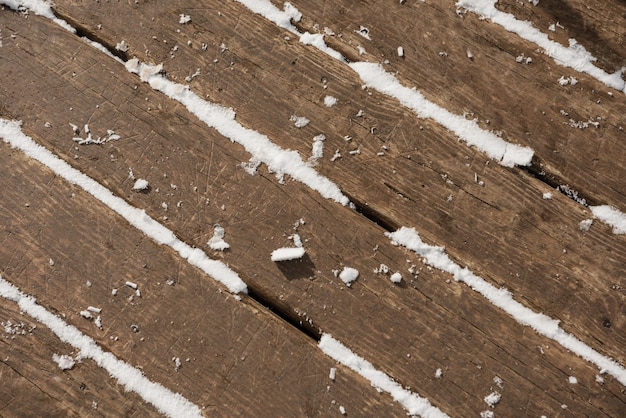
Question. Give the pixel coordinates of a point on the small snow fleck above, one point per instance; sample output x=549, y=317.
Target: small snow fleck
x=217, y=242
x=51, y=262
x=287, y=253
x=599, y=379
x=330, y=101
x=492, y=399
x=65, y=362
x=361, y=50
x=140, y=185
x=336, y=156
x=299, y=121
x=122, y=46
x=98, y=322
x=470, y=54
x=184, y=19
x=585, y=224
x=131, y=285
x=572, y=380
x=400, y=52
x=487, y=414
x=438, y=373
x=348, y=275
x=396, y=277
x=364, y=32
x=333, y=373
x=342, y=410
x=498, y=381
x=86, y=314
x=94, y=309
x=177, y=362
x=547, y=196
x=563, y=406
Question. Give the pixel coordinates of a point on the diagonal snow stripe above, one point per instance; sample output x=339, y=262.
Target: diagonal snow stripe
x=502, y=298
x=375, y=76
x=507, y=154
x=575, y=56
x=39, y=7
x=222, y=119
x=165, y=401
x=11, y=133
x=413, y=403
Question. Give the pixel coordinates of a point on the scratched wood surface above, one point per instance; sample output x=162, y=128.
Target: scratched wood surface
x=503, y=230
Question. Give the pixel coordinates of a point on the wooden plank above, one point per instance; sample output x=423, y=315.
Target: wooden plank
x=438, y=324
x=577, y=278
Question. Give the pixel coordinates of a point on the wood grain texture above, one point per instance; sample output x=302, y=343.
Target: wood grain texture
x=408, y=331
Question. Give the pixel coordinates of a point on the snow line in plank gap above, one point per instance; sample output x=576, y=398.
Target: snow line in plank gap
x=375, y=76
x=413, y=403
x=165, y=401
x=12, y=134
x=220, y=118
x=575, y=56
x=544, y=325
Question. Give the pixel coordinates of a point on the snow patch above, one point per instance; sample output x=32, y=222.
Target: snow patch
x=287, y=253
x=299, y=121
x=64, y=362
x=217, y=242
x=348, y=275
x=330, y=101
x=140, y=185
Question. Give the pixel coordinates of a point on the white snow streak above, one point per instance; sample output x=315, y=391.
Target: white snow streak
x=39, y=7
x=12, y=134
x=575, y=56
x=413, y=403
x=507, y=154
x=287, y=253
x=610, y=215
x=222, y=119
x=165, y=401
x=502, y=298
x=377, y=78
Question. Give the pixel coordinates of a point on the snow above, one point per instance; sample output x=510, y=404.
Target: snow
x=575, y=56
x=396, y=277
x=572, y=380
x=348, y=275
x=492, y=399
x=412, y=402
x=544, y=325
x=217, y=242
x=333, y=373
x=299, y=121
x=65, y=362
x=585, y=225
x=165, y=401
x=330, y=101
x=184, y=19
x=547, y=196
x=11, y=133
x=140, y=185
x=468, y=131
x=400, y=52
x=222, y=119
x=438, y=373
x=38, y=7
x=612, y=216
x=287, y=253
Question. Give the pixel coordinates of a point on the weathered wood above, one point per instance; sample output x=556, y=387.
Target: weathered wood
x=438, y=324
x=534, y=246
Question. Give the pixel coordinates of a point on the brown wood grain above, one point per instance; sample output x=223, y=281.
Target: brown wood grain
x=408, y=330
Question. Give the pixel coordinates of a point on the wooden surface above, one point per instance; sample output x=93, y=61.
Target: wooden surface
x=246, y=359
